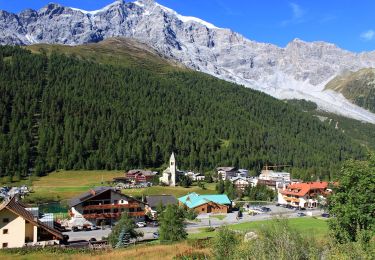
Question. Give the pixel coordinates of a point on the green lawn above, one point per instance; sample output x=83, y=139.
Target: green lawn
x=307, y=225
x=176, y=191
x=63, y=185
x=220, y=217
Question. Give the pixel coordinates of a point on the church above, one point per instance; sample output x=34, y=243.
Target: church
x=170, y=175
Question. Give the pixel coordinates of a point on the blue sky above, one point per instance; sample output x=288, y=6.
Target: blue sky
x=349, y=24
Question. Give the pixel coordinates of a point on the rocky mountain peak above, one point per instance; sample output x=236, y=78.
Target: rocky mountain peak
x=300, y=70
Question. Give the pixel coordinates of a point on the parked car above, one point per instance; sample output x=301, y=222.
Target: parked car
x=278, y=205
x=94, y=227
x=141, y=224
x=301, y=214
x=154, y=224
x=155, y=235
x=265, y=209
x=325, y=215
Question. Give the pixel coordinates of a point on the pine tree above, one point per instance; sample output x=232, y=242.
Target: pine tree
x=172, y=224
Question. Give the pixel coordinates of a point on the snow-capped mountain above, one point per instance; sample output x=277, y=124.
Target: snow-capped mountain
x=300, y=70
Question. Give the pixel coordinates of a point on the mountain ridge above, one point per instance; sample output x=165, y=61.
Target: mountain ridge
x=300, y=70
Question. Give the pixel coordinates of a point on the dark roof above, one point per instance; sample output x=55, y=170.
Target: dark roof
x=93, y=193
x=226, y=169
x=88, y=195
x=144, y=172
x=18, y=208
x=154, y=200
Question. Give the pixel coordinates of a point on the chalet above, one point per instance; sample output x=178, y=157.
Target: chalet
x=105, y=204
x=19, y=227
x=206, y=203
x=226, y=172
x=140, y=176
x=304, y=195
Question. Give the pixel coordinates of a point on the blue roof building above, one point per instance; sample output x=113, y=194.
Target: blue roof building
x=219, y=203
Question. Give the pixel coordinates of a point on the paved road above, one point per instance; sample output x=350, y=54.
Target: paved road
x=204, y=220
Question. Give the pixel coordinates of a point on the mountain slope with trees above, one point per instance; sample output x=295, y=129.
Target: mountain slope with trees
x=358, y=87
x=62, y=111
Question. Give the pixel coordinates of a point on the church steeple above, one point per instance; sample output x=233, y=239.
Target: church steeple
x=173, y=169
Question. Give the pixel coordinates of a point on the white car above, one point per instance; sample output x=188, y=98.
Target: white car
x=141, y=224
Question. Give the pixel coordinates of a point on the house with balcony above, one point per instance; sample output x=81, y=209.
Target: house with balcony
x=105, y=205
x=304, y=195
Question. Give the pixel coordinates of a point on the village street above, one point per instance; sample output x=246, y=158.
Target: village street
x=202, y=221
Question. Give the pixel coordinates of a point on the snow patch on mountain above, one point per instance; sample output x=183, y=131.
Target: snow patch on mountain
x=300, y=70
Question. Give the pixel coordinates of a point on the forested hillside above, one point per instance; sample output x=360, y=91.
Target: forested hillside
x=65, y=112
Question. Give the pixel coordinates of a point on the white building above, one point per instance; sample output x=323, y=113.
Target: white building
x=269, y=175
x=170, y=175
x=226, y=172
x=195, y=176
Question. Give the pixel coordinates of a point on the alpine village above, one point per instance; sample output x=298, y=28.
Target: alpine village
x=134, y=132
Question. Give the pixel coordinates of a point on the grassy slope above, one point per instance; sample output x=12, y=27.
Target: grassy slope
x=306, y=225
x=309, y=226
x=356, y=86
x=115, y=51
x=63, y=185
x=154, y=252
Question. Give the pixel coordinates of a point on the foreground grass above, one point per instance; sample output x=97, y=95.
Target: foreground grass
x=154, y=252
x=318, y=228
x=64, y=185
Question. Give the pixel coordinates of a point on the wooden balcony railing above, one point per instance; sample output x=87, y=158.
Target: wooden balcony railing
x=112, y=206
x=112, y=215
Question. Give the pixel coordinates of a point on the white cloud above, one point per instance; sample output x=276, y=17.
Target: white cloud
x=298, y=14
x=368, y=35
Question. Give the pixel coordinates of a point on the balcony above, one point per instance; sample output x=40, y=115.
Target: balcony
x=111, y=206
x=112, y=215
x=291, y=199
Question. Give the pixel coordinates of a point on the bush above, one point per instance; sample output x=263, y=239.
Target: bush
x=279, y=241
x=225, y=243
x=190, y=214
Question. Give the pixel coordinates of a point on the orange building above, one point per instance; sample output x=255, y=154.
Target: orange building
x=304, y=195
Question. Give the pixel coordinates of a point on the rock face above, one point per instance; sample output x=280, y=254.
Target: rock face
x=300, y=70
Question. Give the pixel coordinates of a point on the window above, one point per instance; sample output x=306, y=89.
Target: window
x=5, y=220
x=5, y=245
x=5, y=231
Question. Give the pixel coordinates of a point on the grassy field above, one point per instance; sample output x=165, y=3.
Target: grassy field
x=307, y=225
x=64, y=185
x=155, y=252
x=176, y=191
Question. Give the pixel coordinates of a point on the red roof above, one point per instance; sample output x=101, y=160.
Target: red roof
x=301, y=189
